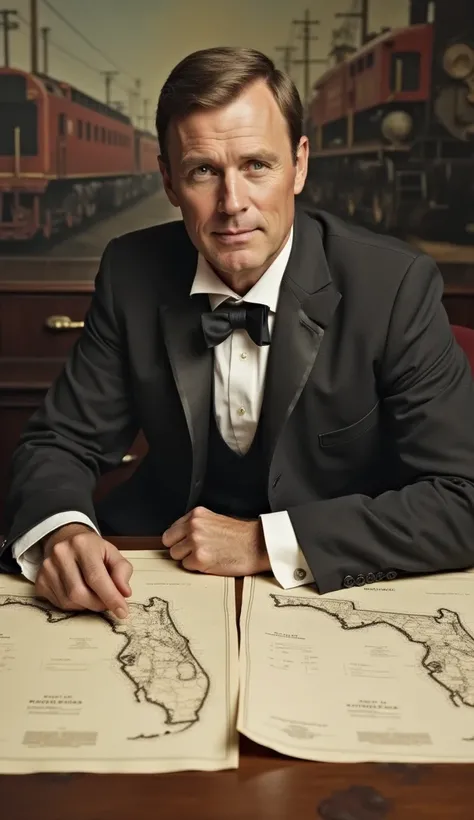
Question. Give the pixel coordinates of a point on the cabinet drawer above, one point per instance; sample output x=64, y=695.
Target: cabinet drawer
x=24, y=317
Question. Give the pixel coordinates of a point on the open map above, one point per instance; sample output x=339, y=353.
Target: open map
x=155, y=692
x=156, y=658
x=362, y=674
x=449, y=657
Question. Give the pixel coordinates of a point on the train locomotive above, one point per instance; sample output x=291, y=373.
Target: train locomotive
x=65, y=157
x=391, y=127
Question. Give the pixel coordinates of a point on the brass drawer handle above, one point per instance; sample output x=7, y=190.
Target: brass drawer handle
x=62, y=323
x=128, y=458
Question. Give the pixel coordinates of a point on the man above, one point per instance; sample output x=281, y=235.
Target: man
x=306, y=407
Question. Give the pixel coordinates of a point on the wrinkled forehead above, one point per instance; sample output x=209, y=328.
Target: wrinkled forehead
x=250, y=123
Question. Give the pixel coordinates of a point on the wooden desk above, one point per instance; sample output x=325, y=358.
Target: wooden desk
x=266, y=786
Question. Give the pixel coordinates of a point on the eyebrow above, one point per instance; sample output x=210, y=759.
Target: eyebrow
x=200, y=159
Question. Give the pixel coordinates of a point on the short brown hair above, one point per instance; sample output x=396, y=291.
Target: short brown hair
x=214, y=77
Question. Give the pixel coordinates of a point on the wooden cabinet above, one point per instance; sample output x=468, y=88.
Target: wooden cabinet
x=42, y=311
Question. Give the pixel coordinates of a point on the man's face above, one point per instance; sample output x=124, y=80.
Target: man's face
x=233, y=176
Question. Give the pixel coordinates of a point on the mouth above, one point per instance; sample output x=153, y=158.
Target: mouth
x=235, y=237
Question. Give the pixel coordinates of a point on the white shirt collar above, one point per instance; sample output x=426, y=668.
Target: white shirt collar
x=264, y=292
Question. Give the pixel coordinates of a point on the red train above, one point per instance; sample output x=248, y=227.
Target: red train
x=65, y=156
x=391, y=128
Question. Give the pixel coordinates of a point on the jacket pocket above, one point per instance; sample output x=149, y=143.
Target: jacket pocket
x=346, y=434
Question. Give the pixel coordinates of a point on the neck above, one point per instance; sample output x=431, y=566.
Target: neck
x=241, y=282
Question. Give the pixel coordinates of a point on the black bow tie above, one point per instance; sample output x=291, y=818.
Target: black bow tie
x=218, y=324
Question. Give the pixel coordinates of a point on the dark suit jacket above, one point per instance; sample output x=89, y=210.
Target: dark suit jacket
x=368, y=410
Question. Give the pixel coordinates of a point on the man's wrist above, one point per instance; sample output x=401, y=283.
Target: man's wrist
x=62, y=534
x=262, y=552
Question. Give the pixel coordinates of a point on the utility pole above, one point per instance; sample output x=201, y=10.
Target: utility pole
x=143, y=118
x=363, y=16
x=34, y=35
x=286, y=57
x=306, y=61
x=8, y=26
x=109, y=75
x=134, y=100
x=45, y=34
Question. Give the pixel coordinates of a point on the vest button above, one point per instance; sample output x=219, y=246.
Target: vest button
x=241, y=411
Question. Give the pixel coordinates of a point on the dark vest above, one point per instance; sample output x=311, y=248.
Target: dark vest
x=235, y=485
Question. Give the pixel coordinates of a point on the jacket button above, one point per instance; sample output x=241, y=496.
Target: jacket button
x=391, y=575
x=379, y=576
x=360, y=580
x=349, y=581
x=370, y=577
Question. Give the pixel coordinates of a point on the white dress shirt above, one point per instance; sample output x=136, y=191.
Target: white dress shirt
x=239, y=377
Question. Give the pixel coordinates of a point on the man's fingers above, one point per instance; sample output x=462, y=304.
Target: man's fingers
x=77, y=593
x=98, y=579
x=181, y=550
x=120, y=570
x=48, y=585
x=177, y=531
x=44, y=590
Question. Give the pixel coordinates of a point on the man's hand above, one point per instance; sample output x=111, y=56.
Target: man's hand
x=83, y=571
x=216, y=544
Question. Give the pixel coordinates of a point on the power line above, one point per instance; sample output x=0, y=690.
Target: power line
x=79, y=33
x=65, y=51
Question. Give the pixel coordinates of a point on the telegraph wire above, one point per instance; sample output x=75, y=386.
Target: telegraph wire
x=79, y=33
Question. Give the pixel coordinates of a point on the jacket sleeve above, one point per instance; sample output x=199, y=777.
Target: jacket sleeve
x=427, y=391
x=84, y=426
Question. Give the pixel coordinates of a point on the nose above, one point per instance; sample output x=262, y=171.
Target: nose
x=233, y=196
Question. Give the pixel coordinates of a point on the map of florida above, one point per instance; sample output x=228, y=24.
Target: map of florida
x=156, y=658
x=449, y=657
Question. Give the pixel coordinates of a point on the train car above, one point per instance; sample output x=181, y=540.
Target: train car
x=391, y=128
x=65, y=156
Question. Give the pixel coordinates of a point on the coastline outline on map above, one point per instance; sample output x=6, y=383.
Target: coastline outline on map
x=156, y=658
x=449, y=656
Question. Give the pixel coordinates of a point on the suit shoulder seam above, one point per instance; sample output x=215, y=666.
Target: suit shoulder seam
x=410, y=254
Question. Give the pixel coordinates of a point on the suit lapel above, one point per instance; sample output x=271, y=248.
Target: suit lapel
x=307, y=301
x=191, y=361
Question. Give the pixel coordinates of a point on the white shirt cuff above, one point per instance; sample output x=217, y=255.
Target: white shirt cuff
x=288, y=563
x=27, y=551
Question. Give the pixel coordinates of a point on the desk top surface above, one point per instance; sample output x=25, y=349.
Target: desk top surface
x=265, y=786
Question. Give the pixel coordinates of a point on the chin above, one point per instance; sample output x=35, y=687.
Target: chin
x=234, y=261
